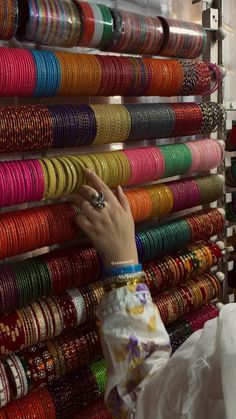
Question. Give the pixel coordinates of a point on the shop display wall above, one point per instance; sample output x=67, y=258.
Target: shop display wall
x=56, y=290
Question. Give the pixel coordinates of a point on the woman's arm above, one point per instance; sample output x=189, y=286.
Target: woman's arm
x=135, y=342
x=135, y=345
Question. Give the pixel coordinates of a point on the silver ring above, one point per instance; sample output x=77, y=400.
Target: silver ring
x=98, y=201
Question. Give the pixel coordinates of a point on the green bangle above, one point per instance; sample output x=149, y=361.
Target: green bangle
x=107, y=26
x=99, y=370
x=178, y=159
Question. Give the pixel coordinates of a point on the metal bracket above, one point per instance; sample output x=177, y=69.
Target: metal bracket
x=209, y=2
x=231, y=105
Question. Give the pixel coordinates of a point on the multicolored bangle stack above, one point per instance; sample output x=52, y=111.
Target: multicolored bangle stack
x=49, y=274
x=170, y=270
x=48, y=361
x=48, y=335
x=61, y=399
x=182, y=39
x=30, y=229
x=47, y=73
x=159, y=239
x=48, y=317
x=97, y=25
x=55, y=177
x=40, y=365
x=55, y=272
x=39, y=127
x=135, y=33
x=196, y=292
x=120, y=276
x=97, y=410
x=46, y=402
x=180, y=330
x=8, y=19
x=79, y=23
x=162, y=199
x=49, y=23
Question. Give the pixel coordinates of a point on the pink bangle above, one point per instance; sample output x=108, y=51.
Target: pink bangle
x=39, y=175
x=147, y=164
x=18, y=72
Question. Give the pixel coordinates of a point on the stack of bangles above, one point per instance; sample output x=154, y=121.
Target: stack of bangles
x=97, y=410
x=154, y=240
x=55, y=177
x=171, y=270
x=26, y=230
x=50, y=316
x=8, y=19
x=55, y=272
x=49, y=361
x=180, y=330
x=97, y=26
x=40, y=127
x=47, y=73
x=81, y=392
x=174, y=304
x=61, y=399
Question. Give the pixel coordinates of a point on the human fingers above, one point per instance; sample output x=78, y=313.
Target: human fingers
x=122, y=198
x=87, y=209
x=100, y=186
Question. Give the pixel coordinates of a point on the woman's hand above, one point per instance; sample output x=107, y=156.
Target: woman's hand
x=111, y=229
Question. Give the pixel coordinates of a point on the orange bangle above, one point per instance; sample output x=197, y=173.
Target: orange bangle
x=88, y=23
x=156, y=82
x=177, y=77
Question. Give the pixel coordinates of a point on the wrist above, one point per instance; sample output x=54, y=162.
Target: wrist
x=124, y=258
x=122, y=268
x=119, y=281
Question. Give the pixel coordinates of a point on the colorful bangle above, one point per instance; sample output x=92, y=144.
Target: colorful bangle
x=123, y=269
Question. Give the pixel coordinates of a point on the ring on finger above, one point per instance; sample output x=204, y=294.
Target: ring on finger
x=98, y=201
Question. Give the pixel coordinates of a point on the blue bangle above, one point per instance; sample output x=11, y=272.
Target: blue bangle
x=123, y=270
